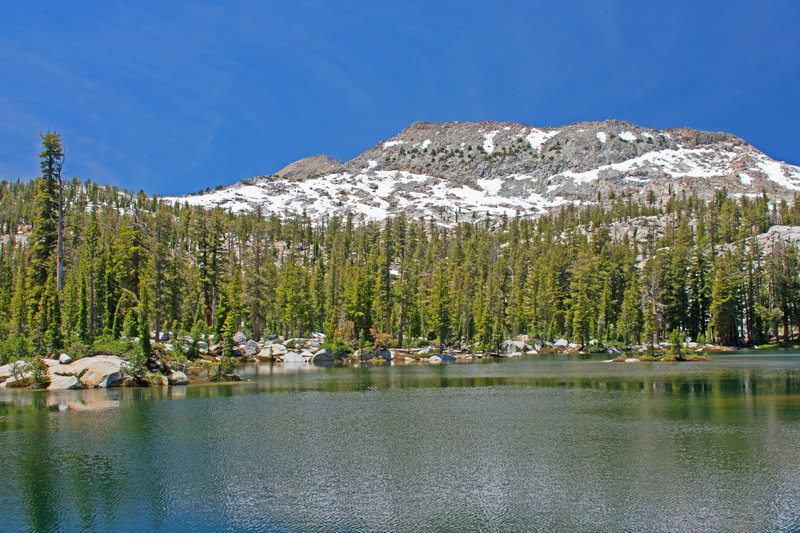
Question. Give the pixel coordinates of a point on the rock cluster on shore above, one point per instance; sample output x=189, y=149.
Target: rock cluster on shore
x=100, y=371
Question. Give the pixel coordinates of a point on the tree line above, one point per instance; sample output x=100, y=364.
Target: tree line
x=81, y=263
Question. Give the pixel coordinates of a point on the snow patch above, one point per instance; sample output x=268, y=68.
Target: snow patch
x=536, y=138
x=628, y=136
x=389, y=144
x=774, y=171
x=601, y=136
x=681, y=163
x=488, y=141
x=491, y=187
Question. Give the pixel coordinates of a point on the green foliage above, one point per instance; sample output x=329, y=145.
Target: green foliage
x=131, y=324
x=381, y=340
x=228, y=331
x=345, y=334
x=144, y=321
x=479, y=280
x=224, y=370
x=337, y=347
x=15, y=346
x=83, y=317
x=676, y=339
x=108, y=345
x=38, y=369
x=723, y=308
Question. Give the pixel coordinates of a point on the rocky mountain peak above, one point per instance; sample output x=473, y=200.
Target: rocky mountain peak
x=316, y=165
x=468, y=169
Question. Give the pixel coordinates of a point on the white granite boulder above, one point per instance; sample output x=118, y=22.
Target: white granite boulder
x=58, y=382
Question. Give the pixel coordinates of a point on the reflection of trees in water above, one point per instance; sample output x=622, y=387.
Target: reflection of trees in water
x=38, y=469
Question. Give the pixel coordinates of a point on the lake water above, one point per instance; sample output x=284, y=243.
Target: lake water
x=542, y=443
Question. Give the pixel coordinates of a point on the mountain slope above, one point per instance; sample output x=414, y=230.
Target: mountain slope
x=465, y=170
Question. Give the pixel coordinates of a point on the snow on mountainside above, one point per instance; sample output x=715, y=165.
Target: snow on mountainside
x=461, y=171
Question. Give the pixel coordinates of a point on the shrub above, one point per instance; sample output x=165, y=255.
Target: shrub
x=224, y=370
x=15, y=346
x=676, y=342
x=381, y=340
x=346, y=333
x=338, y=348
x=39, y=373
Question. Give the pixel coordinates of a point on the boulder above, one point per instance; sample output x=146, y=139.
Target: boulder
x=165, y=336
x=307, y=355
x=277, y=350
x=561, y=343
x=63, y=383
x=510, y=346
x=386, y=355
x=158, y=380
x=250, y=347
x=441, y=358
x=293, y=357
x=323, y=356
x=102, y=371
x=265, y=354
x=239, y=338
x=6, y=371
x=64, y=359
x=178, y=378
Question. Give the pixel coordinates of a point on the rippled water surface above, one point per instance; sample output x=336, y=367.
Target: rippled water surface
x=534, y=444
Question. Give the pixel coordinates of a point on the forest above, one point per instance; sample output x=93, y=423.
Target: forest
x=82, y=265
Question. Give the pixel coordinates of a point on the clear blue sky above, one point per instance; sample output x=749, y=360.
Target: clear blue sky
x=172, y=97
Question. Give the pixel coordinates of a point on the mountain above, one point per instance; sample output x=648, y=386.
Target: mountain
x=309, y=167
x=461, y=170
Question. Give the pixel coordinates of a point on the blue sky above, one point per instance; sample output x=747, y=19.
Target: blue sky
x=173, y=97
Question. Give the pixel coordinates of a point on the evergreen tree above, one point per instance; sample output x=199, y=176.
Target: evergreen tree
x=144, y=320
x=723, y=309
x=228, y=331
x=83, y=317
x=631, y=319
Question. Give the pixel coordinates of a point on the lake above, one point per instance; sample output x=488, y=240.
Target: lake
x=542, y=443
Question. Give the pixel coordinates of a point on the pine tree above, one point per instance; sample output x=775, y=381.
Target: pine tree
x=144, y=320
x=228, y=331
x=723, y=309
x=83, y=316
x=631, y=319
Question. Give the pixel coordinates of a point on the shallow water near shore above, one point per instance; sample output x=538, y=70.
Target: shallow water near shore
x=539, y=443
